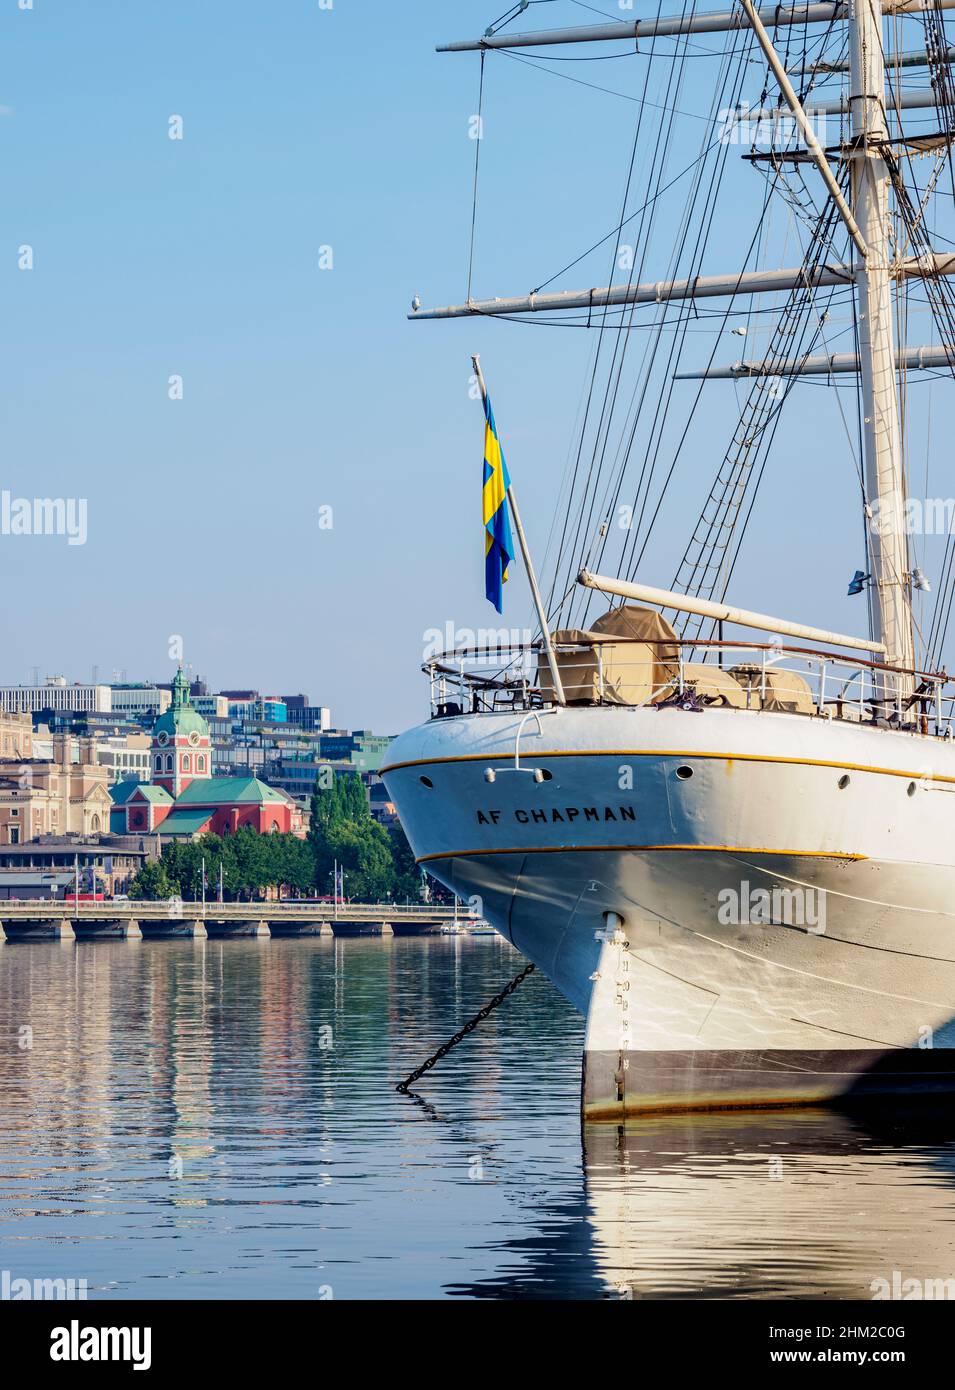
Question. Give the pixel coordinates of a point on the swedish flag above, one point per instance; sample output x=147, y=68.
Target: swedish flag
x=498, y=546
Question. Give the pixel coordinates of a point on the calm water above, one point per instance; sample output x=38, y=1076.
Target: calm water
x=268, y=1069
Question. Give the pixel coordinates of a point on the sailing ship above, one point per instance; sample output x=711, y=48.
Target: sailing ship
x=727, y=837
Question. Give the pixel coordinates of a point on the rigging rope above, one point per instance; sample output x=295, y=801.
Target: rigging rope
x=477, y=165
x=702, y=189
x=619, y=426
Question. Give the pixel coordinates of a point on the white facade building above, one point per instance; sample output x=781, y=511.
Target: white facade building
x=58, y=694
x=126, y=755
x=140, y=698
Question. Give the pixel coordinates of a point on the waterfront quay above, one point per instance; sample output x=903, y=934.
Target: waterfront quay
x=172, y=920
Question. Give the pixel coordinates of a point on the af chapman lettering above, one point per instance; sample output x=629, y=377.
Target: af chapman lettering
x=560, y=815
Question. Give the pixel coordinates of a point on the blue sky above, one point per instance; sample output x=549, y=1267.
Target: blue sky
x=306, y=388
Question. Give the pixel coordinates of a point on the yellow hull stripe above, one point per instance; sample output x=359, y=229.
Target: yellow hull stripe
x=599, y=1111
x=537, y=756
x=611, y=849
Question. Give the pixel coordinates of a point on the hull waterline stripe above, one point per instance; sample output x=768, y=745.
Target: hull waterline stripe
x=595, y=1112
x=666, y=753
x=617, y=849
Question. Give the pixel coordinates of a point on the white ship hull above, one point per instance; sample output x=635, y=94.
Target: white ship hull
x=614, y=872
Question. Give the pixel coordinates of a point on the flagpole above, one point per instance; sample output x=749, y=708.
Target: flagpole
x=528, y=565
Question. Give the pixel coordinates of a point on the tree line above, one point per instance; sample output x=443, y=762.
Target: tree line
x=377, y=864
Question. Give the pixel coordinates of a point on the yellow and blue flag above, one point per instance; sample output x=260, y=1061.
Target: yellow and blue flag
x=498, y=546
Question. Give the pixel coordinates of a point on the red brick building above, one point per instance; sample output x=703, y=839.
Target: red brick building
x=184, y=799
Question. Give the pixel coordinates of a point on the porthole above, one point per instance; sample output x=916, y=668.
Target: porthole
x=426, y=782
x=684, y=772
x=910, y=789
x=541, y=774
x=843, y=781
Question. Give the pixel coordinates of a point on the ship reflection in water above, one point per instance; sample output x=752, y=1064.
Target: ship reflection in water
x=784, y=1204
x=202, y=1119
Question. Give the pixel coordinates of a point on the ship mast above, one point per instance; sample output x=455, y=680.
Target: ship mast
x=884, y=479
x=866, y=216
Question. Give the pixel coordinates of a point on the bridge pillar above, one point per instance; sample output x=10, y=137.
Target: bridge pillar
x=406, y=928
x=3, y=935
x=37, y=929
x=172, y=928
x=225, y=930
x=107, y=929
x=287, y=927
x=359, y=928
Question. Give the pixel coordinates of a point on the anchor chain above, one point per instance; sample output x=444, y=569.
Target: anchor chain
x=469, y=1027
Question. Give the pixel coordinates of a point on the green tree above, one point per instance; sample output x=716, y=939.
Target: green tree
x=296, y=863
x=407, y=875
x=363, y=849
x=343, y=830
x=217, y=852
x=184, y=866
x=153, y=882
x=251, y=861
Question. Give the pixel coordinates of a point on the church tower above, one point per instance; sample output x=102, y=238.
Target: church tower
x=181, y=746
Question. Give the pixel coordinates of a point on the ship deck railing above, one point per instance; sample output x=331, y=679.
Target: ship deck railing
x=695, y=674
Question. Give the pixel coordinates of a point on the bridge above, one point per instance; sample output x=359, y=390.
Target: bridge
x=172, y=918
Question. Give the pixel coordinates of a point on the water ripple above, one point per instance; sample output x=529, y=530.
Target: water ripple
x=266, y=1069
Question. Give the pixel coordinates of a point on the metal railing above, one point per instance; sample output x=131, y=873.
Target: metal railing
x=629, y=672
x=165, y=908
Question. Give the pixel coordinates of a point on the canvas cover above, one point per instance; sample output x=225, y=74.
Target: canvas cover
x=625, y=672
x=642, y=665
x=776, y=689
x=712, y=685
x=643, y=624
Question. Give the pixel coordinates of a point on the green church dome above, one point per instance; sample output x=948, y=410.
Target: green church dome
x=180, y=718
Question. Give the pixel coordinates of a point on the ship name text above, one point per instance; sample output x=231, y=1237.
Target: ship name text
x=559, y=815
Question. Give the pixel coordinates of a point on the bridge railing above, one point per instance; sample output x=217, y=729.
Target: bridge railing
x=174, y=907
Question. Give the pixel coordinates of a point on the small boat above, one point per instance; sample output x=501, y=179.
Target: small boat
x=481, y=929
